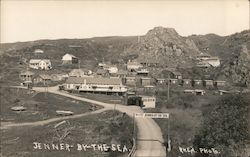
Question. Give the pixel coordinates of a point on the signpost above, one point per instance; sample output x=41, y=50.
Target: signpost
x=152, y=115
x=157, y=116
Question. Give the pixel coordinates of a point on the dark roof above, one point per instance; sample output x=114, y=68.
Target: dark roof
x=160, y=79
x=27, y=73
x=45, y=76
x=122, y=72
x=130, y=77
x=101, y=71
x=94, y=80
x=176, y=72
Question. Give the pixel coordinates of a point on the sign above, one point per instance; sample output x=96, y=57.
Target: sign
x=191, y=150
x=152, y=115
x=80, y=147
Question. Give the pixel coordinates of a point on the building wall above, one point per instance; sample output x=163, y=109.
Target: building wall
x=214, y=63
x=148, y=102
x=96, y=87
x=44, y=65
x=145, y=82
x=26, y=77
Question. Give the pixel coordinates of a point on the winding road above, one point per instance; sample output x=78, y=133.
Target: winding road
x=149, y=136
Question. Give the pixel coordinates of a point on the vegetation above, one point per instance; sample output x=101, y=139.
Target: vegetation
x=225, y=126
x=39, y=106
x=105, y=128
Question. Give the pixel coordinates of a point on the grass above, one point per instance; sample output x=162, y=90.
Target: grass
x=186, y=116
x=40, y=106
x=107, y=127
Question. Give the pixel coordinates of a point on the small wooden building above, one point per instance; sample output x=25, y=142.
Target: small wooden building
x=175, y=75
x=142, y=72
x=173, y=81
x=130, y=80
x=195, y=91
x=42, y=78
x=77, y=73
x=102, y=72
x=122, y=73
x=186, y=82
x=69, y=59
x=148, y=101
x=197, y=83
x=160, y=81
x=208, y=83
x=219, y=83
x=26, y=76
x=145, y=81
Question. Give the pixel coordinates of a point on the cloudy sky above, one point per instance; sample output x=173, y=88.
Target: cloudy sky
x=29, y=20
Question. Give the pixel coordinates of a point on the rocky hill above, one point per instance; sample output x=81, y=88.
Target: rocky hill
x=233, y=50
x=164, y=45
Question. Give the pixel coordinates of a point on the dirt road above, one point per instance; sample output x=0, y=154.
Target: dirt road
x=44, y=122
x=149, y=135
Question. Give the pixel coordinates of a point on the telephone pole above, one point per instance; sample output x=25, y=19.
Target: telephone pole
x=79, y=64
x=168, y=86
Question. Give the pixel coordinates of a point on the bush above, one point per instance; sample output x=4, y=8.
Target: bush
x=226, y=125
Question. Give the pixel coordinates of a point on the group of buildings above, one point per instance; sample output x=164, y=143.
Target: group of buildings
x=111, y=80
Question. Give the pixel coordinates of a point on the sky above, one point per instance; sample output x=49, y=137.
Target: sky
x=29, y=20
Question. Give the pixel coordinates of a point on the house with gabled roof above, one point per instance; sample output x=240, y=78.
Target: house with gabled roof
x=42, y=78
x=69, y=59
x=77, y=73
x=102, y=72
x=26, y=76
x=130, y=80
x=133, y=65
x=43, y=64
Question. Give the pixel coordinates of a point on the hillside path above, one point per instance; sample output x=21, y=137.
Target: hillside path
x=149, y=135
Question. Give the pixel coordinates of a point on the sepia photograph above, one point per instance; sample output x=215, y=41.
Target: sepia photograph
x=124, y=78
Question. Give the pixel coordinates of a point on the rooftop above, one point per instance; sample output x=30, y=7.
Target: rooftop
x=176, y=72
x=101, y=71
x=45, y=76
x=67, y=54
x=27, y=73
x=94, y=80
x=38, y=60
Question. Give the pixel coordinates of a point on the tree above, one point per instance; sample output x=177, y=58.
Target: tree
x=226, y=125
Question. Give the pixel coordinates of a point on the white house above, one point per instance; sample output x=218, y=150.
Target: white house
x=112, y=69
x=69, y=59
x=133, y=65
x=148, y=101
x=213, y=61
x=77, y=73
x=96, y=85
x=38, y=51
x=208, y=61
x=43, y=64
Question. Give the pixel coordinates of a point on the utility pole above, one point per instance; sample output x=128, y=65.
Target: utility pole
x=134, y=127
x=169, y=141
x=168, y=86
x=27, y=77
x=79, y=64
